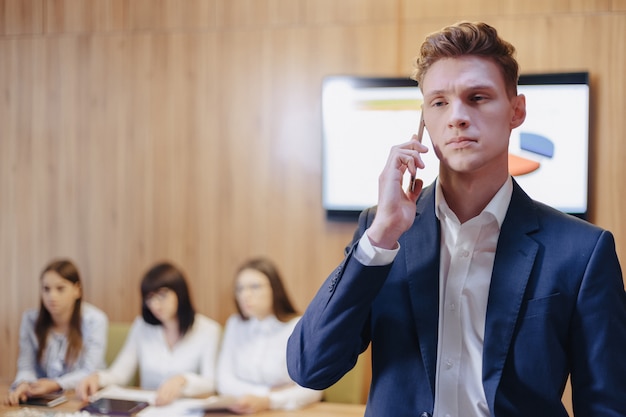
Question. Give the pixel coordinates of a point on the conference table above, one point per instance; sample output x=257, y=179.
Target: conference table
x=321, y=409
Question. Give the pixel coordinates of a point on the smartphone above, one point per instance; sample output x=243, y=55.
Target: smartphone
x=420, y=135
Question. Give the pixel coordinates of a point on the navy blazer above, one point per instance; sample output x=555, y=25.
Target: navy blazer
x=556, y=307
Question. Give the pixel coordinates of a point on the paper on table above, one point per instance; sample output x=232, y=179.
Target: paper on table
x=179, y=408
x=115, y=391
x=216, y=402
x=189, y=407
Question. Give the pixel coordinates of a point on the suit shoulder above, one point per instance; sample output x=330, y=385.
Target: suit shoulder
x=550, y=216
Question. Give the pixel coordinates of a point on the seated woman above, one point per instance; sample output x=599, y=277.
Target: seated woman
x=61, y=342
x=252, y=365
x=174, y=347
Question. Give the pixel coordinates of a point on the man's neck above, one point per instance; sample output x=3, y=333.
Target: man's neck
x=467, y=195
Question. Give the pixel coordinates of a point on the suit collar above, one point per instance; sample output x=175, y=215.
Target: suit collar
x=497, y=206
x=424, y=244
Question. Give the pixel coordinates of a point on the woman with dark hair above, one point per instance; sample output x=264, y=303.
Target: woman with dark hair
x=252, y=365
x=61, y=342
x=174, y=347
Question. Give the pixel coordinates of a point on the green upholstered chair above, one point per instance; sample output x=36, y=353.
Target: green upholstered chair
x=118, y=331
x=349, y=389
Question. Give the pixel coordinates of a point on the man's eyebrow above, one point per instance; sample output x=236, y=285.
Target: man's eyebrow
x=481, y=87
x=476, y=87
x=434, y=93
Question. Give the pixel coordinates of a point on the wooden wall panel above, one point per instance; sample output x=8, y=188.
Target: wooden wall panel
x=609, y=125
x=21, y=17
x=351, y=11
x=618, y=5
x=485, y=9
x=554, y=7
x=274, y=128
x=457, y=10
x=68, y=16
x=259, y=13
x=192, y=15
x=138, y=130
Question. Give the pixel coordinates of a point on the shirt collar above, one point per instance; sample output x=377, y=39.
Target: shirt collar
x=497, y=207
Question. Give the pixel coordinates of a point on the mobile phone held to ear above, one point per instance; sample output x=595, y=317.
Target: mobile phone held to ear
x=114, y=407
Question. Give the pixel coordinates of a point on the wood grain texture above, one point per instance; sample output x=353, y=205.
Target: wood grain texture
x=133, y=131
x=19, y=17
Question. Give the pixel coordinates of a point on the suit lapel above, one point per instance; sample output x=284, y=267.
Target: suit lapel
x=422, y=266
x=515, y=256
x=516, y=252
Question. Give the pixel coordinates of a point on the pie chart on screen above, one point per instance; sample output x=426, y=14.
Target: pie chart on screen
x=535, y=144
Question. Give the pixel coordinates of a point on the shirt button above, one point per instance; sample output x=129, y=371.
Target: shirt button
x=449, y=363
x=464, y=253
x=452, y=307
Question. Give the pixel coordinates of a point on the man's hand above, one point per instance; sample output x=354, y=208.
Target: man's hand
x=396, y=206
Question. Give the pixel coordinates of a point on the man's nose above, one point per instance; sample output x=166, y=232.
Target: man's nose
x=459, y=116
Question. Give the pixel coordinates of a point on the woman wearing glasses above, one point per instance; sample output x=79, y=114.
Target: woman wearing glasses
x=252, y=365
x=174, y=347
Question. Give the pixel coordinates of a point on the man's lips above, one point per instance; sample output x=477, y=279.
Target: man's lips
x=460, y=142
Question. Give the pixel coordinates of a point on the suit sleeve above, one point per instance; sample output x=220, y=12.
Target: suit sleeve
x=334, y=329
x=598, y=336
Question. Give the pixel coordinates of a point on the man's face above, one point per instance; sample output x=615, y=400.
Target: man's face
x=469, y=115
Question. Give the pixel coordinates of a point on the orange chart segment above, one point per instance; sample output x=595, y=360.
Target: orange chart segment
x=521, y=166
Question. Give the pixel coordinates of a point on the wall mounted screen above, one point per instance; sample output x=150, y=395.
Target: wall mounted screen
x=364, y=117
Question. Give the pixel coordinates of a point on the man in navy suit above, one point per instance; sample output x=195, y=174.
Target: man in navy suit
x=477, y=300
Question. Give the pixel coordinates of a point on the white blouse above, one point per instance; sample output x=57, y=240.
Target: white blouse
x=193, y=356
x=253, y=361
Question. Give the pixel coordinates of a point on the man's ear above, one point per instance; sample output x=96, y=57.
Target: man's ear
x=519, y=111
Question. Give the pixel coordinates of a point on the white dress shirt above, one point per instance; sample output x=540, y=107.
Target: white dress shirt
x=194, y=356
x=253, y=361
x=467, y=258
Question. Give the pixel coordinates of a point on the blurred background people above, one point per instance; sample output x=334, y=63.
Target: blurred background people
x=174, y=347
x=252, y=364
x=62, y=341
